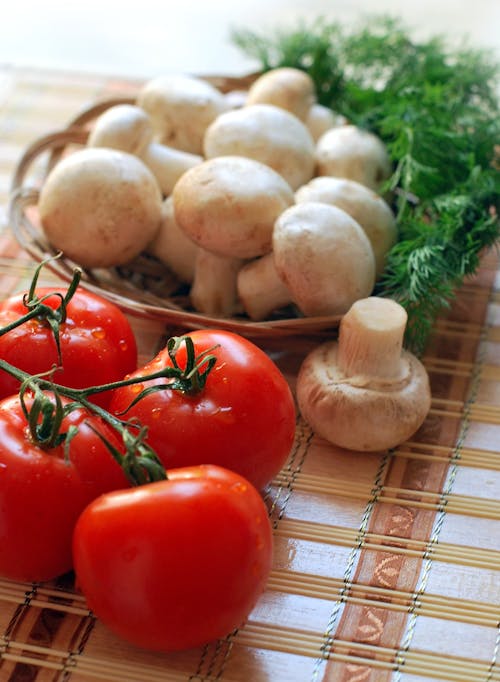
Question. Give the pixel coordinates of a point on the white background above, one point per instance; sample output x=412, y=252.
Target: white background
x=144, y=38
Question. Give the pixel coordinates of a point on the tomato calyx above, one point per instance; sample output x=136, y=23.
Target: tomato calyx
x=189, y=380
x=37, y=308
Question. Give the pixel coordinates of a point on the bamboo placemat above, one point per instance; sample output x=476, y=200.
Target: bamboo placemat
x=387, y=566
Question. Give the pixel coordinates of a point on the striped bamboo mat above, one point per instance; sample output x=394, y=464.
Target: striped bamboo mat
x=387, y=566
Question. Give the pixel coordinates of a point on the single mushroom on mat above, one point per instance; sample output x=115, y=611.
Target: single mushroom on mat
x=128, y=128
x=100, y=207
x=285, y=87
x=351, y=152
x=267, y=134
x=367, y=208
x=228, y=206
x=321, y=256
x=181, y=108
x=365, y=392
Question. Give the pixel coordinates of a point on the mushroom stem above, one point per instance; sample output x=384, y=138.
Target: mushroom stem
x=213, y=291
x=260, y=289
x=371, y=339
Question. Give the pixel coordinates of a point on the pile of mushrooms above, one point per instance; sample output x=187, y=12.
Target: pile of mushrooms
x=224, y=189
x=257, y=200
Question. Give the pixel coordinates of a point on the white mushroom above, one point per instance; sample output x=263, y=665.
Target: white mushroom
x=267, y=134
x=100, y=207
x=128, y=128
x=284, y=87
x=363, y=204
x=351, y=152
x=235, y=99
x=228, y=206
x=181, y=108
x=172, y=246
x=365, y=392
x=320, y=119
x=321, y=255
x=213, y=291
x=260, y=289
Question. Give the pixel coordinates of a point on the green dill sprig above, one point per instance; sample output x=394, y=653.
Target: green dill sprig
x=437, y=110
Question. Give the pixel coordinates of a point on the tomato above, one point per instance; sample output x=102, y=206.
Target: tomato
x=97, y=343
x=243, y=419
x=178, y=563
x=42, y=493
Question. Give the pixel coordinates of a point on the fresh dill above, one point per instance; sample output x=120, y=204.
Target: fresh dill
x=437, y=110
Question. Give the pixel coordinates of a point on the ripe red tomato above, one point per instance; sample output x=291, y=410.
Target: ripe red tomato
x=243, y=419
x=42, y=493
x=175, y=564
x=97, y=343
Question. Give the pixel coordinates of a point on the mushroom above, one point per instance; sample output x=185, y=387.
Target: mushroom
x=100, y=207
x=172, y=246
x=320, y=119
x=213, y=291
x=228, y=206
x=365, y=392
x=284, y=87
x=267, y=134
x=181, y=108
x=235, y=99
x=320, y=254
x=363, y=204
x=351, y=152
x=128, y=128
x=260, y=289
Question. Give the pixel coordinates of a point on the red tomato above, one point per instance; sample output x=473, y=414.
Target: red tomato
x=42, y=494
x=97, y=343
x=175, y=564
x=243, y=419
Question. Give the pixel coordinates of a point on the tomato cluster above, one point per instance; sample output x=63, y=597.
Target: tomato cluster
x=172, y=563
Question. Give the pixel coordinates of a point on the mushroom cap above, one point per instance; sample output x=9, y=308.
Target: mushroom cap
x=267, y=134
x=363, y=204
x=228, y=205
x=368, y=417
x=181, y=108
x=351, y=152
x=125, y=127
x=324, y=258
x=100, y=207
x=320, y=119
x=285, y=87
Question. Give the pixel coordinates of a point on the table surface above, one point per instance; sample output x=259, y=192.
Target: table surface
x=387, y=565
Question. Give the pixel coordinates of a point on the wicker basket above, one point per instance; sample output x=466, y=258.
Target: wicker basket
x=145, y=286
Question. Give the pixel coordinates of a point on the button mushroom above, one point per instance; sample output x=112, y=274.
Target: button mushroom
x=128, y=128
x=228, y=206
x=351, y=152
x=320, y=254
x=267, y=134
x=365, y=392
x=181, y=108
x=172, y=246
x=320, y=119
x=284, y=87
x=100, y=207
x=363, y=204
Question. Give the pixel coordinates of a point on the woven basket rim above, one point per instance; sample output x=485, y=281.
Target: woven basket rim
x=112, y=284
